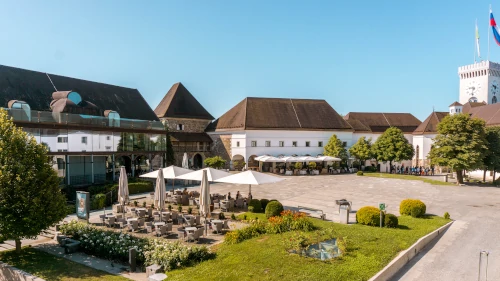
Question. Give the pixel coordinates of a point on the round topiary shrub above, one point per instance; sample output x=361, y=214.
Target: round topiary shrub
x=250, y=209
x=359, y=173
x=263, y=203
x=391, y=221
x=255, y=203
x=273, y=209
x=412, y=207
x=446, y=215
x=368, y=215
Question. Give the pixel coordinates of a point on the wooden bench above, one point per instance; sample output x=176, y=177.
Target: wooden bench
x=312, y=212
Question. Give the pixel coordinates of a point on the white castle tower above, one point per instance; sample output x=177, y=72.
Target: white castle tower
x=480, y=82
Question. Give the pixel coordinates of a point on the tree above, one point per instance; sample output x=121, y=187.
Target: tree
x=392, y=146
x=362, y=149
x=460, y=144
x=170, y=150
x=215, y=162
x=491, y=160
x=335, y=148
x=30, y=198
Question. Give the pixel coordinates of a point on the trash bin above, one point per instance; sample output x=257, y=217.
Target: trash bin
x=344, y=214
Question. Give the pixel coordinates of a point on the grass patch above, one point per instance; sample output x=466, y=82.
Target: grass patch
x=50, y=267
x=407, y=177
x=265, y=258
x=252, y=216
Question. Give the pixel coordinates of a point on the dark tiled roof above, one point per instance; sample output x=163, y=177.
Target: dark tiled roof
x=489, y=113
x=358, y=126
x=180, y=103
x=455, y=104
x=190, y=137
x=468, y=106
x=36, y=89
x=379, y=122
x=280, y=114
x=430, y=124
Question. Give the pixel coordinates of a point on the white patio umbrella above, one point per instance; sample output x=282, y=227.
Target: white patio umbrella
x=123, y=187
x=212, y=175
x=160, y=191
x=328, y=158
x=250, y=177
x=205, y=198
x=170, y=172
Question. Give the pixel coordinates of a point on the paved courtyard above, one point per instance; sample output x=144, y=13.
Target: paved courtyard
x=454, y=257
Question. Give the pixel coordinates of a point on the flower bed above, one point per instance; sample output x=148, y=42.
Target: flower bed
x=288, y=221
x=115, y=246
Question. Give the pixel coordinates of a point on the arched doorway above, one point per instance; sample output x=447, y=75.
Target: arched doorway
x=238, y=162
x=197, y=161
x=252, y=163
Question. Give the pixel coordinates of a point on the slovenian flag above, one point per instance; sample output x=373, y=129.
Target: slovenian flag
x=494, y=27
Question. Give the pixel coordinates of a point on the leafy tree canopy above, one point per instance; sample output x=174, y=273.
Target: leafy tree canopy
x=492, y=159
x=215, y=162
x=461, y=144
x=30, y=197
x=362, y=149
x=170, y=150
x=392, y=146
x=335, y=148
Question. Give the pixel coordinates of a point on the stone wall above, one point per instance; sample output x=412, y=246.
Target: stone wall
x=10, y=273
x=221, y=146
x=179, y=155
x=190, y=125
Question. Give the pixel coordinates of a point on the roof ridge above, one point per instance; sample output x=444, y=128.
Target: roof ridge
x=383, y=114
x=300, y=125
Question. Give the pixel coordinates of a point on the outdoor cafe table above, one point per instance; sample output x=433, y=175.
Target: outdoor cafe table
x=156, y=224
x=217, y=221
x=132, y=219
x=190, y=229
x=288, y=173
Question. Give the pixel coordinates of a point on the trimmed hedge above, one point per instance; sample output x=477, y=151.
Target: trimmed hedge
x=412, y=207
x=391, y=221
x=98, y=201
x=255, y=203
x=368, y=215
x=273, y=209
x=263, y=203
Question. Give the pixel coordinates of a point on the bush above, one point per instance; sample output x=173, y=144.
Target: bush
x=446, y=215
x=289, y=221
x=298, y=165
x=233, y=217
x=222, y=216
x=274, y=208
x=98, y=201
x=368, y=215
x=190, y=210
x=140, y=187
x=370, y=169
x=250, y=209
x=255, y=229
x=359, y=173
x=412, y=207
x=255, y=203
x=391, y=221
x=263, y=203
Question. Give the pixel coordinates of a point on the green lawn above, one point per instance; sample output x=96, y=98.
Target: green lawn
x=50, y=267
x=265, y=258
x=406, y=177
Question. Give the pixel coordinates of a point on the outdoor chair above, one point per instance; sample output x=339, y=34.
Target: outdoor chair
x=110, y=222
x=225, y=225
x=191, y=237
x=132, y=226
x=165, y=217
x=239, y=203
x=199, y=233
x=149, y=227
x=217, y=227
x=141, y=213
x=173, y=216
x=162, y=230
x=224, y=206
x=197, y=220
x=150, y=213
x=216, y=205
x=156, y=218
x=118, y=216
x=181, y=233
x=140, y=222
x=121, y=223
x=169, y=227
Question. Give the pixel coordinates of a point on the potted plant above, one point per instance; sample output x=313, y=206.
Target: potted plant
x=179, y=208
x=144, y=204
x=136, y=203
x=169, y=207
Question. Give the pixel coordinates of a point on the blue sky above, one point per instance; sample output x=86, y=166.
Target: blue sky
x=390, y=56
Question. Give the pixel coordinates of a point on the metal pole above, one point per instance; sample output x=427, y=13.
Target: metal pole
x=481, y=254
x=381, y=216
x=489, y=35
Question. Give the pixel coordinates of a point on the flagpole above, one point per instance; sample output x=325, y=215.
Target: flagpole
x=489, y=34
x=475, y=42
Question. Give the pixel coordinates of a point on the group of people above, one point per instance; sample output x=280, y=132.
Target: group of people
x=238, y=196
x=417, y=170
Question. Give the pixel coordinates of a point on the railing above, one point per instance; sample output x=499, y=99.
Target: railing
x=45, y=117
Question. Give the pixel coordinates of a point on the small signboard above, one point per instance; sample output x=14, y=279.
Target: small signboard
x=381, y=206
x=82, y=205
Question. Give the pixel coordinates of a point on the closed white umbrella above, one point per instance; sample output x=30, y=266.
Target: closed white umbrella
x=250, y=177
x=123, y=187
x=160, y=191
x=205, y=198
x=212, y=175
x=185, y=162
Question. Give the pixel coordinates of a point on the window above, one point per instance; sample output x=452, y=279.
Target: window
x=180, y=127
x=108, y=148
x=308, y=143
x=237, y=144
x=294, y=143
x=268, y=143
x=84, y=140
x=108, y=138
x=320, y=144
x=62, y=150
x=282, y=143
x=60, y=164
x=62, y=139
x=344, y=144
x=254, y=143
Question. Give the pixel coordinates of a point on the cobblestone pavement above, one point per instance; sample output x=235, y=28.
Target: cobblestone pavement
x=454, y=257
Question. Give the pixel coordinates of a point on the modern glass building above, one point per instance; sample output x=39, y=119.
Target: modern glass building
x=90, y=129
